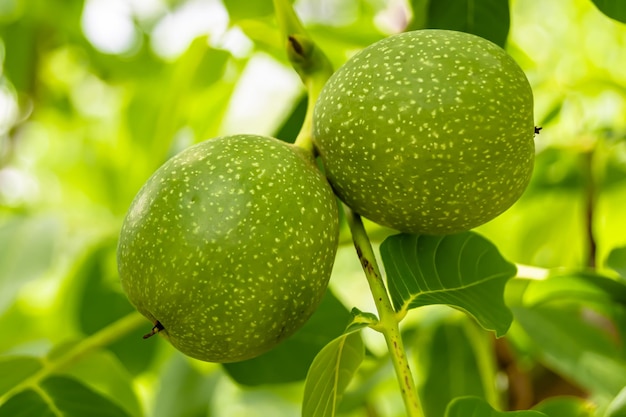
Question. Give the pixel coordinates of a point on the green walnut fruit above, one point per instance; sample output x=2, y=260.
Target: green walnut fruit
x=229, y=246
x=427, y=132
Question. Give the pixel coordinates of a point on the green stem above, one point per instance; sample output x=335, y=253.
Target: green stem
x=305, y=136
x=308, y=61
x=388, y=319
x=315, y=69
x=104, y=337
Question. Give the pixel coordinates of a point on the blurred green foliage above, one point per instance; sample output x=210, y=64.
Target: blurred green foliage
x=96, y=94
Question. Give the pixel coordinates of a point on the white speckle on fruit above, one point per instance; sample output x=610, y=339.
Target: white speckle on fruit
x=450, y=89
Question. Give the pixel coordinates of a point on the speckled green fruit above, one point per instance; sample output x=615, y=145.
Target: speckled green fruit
x=230, y=245
x=428, y=131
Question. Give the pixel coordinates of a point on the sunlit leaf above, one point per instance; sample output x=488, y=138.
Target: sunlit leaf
x=291, y=360
x=26, y=250
x=15, y=369
x=575, y=286
x=60, y=397
x=617, y=260
x=617, y=408
x=464, y=271
x=574, y=347
x=330, y=374
x=552, y=112
x=360, y=320
x=486, y=18
x=615, y=9
x=476, y=407
x=565, y=406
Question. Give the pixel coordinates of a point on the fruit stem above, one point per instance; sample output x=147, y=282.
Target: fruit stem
x=308, y=60
x=104, y=337
x=388, y=320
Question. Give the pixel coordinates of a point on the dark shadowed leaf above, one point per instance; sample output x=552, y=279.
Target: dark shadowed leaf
x=464, y=271
x=288, y=131
x=486, y=18
x=60, y=397
x=102, y=372
x=477, y=407
x=330, y=374
x=290, y=360
x=617, y=261
x=615, y=9
x=449, y=364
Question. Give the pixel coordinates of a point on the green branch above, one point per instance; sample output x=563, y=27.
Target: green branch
x=307, y=60
x=104, y=337
x=388, y=319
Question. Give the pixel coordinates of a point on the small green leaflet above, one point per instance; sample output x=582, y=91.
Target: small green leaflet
x=464, y=271
x=331, y=371
x=477, y=407
x=617, y=260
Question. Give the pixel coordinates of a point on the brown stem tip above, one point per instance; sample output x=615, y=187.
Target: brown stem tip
x=157, y=328
x=296, y=45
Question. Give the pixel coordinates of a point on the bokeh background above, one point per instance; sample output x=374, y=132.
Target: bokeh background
x=96, y=94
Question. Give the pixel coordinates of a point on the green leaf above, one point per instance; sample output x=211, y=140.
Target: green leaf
x=476, y=407
x=617, y=260
x=449, y=365
x=26, y=251
x=489, y=19
x=617, y=408
x=102, y=302
x=290, y=360
x=245, y=9
x=565, y=406
x=575, y=286
x=330, y=374
x=184, y=391
x=464, y=271
x=574, y=347
x=15, y=369
x=615, y=9
x=102, y=372
x=60, y=397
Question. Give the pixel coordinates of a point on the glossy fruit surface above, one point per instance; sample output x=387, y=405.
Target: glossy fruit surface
x=428, y=131
x=229, y=246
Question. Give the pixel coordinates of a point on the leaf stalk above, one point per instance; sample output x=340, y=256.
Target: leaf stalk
x=104, y=337
x=388, y=323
